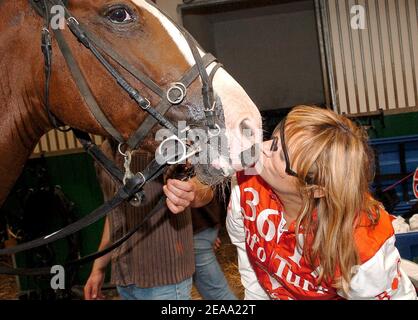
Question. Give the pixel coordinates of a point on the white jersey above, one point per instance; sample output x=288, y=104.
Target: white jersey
x=271, y=267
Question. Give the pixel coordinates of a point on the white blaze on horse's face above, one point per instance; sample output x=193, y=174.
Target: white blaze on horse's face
x=242, y=118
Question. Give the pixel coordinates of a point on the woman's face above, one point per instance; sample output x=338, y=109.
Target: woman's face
x=272, y=168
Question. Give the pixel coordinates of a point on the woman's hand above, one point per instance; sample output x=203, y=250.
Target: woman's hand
x=184, y=194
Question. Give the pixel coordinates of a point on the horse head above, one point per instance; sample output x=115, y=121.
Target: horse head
x=148, y=42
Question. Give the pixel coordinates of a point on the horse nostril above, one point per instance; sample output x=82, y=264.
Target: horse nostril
x=246, y=129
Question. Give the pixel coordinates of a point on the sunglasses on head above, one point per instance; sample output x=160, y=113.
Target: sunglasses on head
x=274, y=147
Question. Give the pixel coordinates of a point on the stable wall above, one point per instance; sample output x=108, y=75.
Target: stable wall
x=272, y=50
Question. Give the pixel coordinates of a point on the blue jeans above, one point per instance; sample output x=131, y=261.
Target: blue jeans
x=209, y=278
x=178, y=291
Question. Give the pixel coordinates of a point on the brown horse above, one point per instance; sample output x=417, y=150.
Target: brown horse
x=140, y=33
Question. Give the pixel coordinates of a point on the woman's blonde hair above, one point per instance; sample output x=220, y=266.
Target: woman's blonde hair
x=331, y=156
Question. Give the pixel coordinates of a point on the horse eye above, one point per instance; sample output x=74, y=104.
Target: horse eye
x=120, y=15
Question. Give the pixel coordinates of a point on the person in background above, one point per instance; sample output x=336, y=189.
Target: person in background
x=209, y=278
x=157, y=263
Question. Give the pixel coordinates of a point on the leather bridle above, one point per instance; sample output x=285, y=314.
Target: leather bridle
x=174, y=95
x=131, y=184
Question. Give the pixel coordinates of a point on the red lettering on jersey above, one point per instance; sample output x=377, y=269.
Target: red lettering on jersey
x=383, y=296
x=395, y=283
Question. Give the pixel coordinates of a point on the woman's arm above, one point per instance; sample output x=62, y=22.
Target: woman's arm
x=381, y=277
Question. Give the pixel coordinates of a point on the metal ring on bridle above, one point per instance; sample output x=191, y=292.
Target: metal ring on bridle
x=143, y=178
x=120, y=150
x=179, y=87
x=183, y=151
x=218, y=131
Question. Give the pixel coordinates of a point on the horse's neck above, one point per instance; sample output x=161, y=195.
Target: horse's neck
x=20, y=130
x=22, y=119
x=16, y=148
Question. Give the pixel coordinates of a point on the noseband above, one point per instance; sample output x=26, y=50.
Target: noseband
x=132, y=184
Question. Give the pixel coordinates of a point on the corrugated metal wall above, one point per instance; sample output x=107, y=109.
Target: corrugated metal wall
x=56, y=143
x=375, y=67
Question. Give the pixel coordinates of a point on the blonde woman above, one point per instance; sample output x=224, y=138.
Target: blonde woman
x=307, y=227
